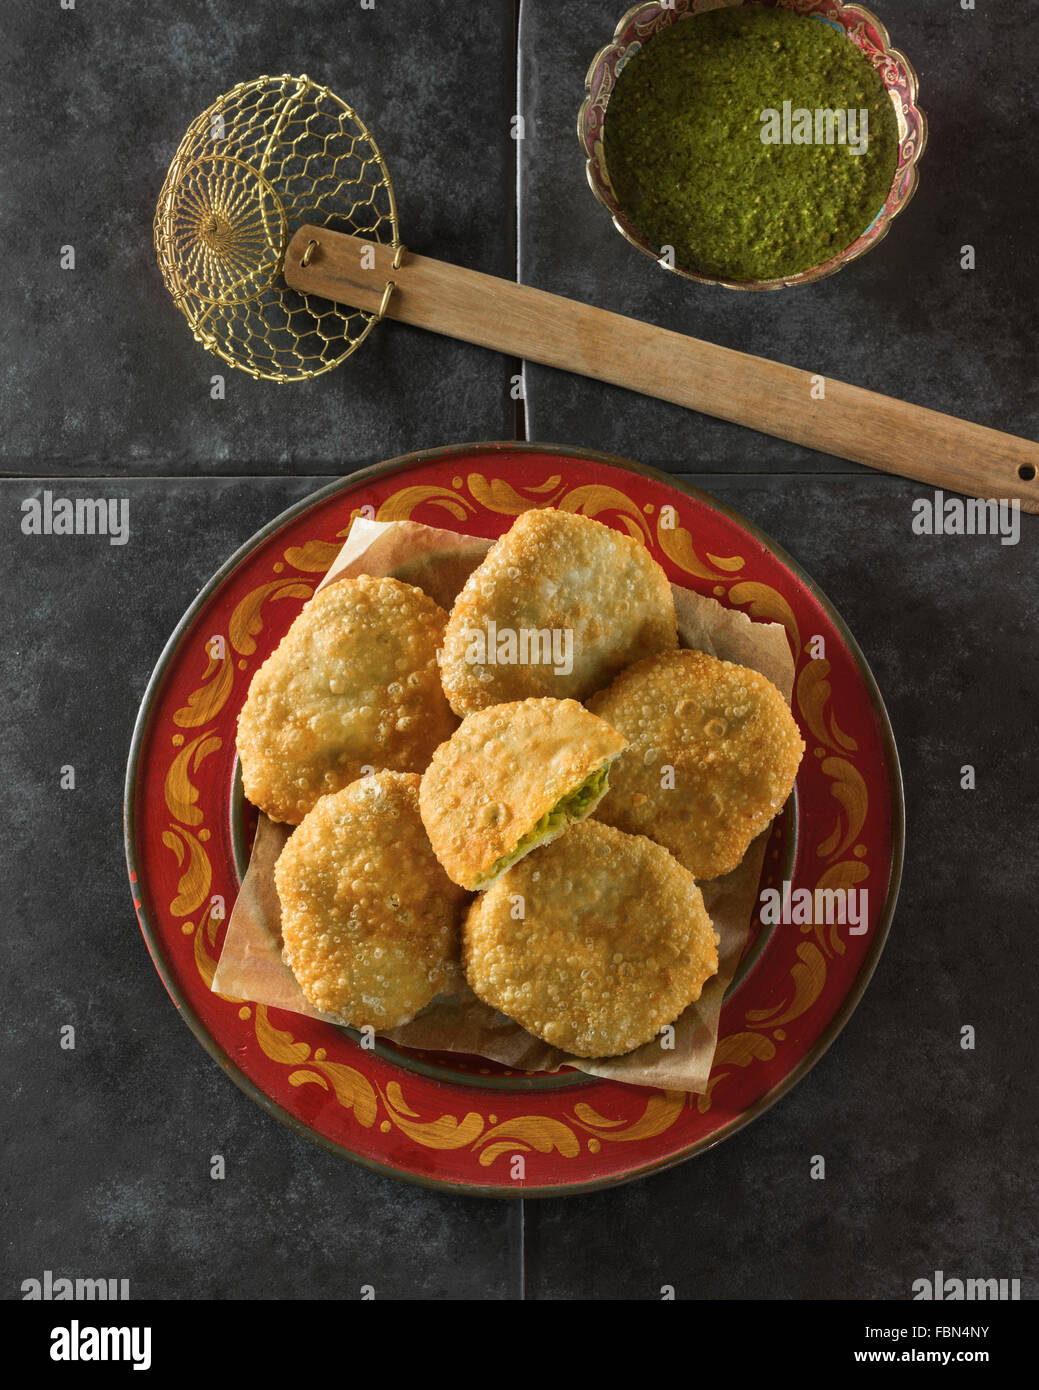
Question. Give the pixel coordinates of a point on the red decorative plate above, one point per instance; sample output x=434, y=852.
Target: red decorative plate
x=456, y=1122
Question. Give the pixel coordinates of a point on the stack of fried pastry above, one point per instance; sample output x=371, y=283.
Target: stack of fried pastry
x=526, y=789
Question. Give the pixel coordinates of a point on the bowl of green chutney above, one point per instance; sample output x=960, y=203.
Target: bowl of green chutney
x=752, y=145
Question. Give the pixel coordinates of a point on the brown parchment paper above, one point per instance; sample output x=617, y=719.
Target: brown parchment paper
x=251, y=966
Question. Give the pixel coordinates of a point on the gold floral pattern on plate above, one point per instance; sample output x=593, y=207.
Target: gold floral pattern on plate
x=580, y=1128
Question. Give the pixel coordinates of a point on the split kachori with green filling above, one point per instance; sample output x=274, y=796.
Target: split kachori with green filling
x=582, y=828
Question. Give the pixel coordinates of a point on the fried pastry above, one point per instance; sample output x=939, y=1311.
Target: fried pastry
x=560, y=604
x=510, y=778
x=369, y=919
x=354, y=684
x=712, y=757
x=592, y=943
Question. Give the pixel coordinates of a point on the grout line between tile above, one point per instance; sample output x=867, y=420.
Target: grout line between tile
x=523, y=1251
x=521, y=433
x=811, y=475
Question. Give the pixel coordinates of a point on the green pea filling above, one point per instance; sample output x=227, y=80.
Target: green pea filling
x=575, y=806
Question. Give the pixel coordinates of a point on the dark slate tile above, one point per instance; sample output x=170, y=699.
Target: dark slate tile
x=108, y=1146
x=927, y=1147
x=905, y=321
x=98, y=370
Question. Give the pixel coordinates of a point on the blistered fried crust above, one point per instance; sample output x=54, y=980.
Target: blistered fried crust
x=713, y=755
x=354, y=684
x=499, y=774
x=556, y=571
x=369, y=919
x=593, y=943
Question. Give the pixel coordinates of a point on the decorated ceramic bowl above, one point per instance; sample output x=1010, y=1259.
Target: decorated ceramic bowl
x=446, y=1120
x=641, y=24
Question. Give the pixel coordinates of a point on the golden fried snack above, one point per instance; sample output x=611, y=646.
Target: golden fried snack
x=369, y=919
x=560, y=605
x=354, y=684
x=592, y=943
x=510, y=778
x=712, y=758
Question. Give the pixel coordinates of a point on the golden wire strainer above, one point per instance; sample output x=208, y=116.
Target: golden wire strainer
x=265, y=158
x=277, y=236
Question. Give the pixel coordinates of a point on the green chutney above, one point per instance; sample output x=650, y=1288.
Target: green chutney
x=684, y=149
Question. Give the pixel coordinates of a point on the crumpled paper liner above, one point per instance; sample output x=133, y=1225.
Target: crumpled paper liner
x=251, y=966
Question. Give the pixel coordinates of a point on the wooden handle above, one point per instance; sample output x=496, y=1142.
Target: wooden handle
x=848, y=422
